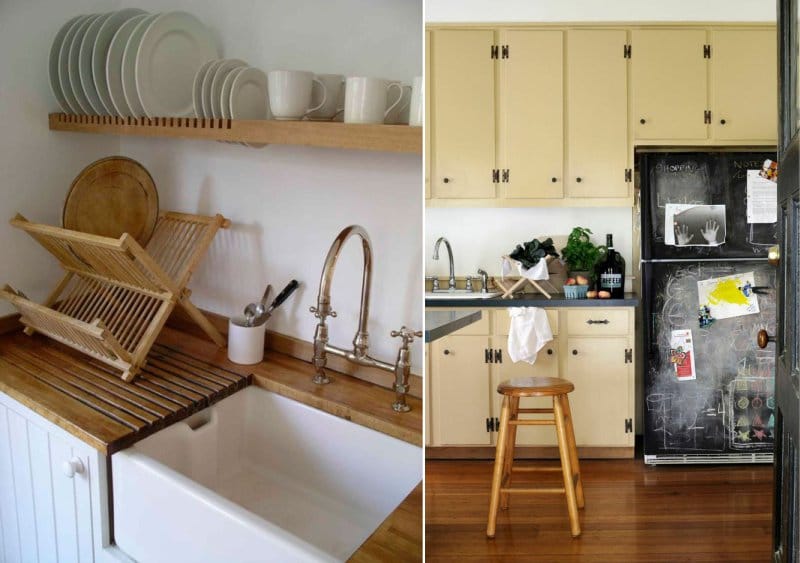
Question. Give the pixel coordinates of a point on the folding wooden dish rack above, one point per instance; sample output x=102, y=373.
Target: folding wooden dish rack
x=116, y=296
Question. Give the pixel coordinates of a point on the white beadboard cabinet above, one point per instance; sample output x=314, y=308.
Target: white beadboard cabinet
x=46, y=515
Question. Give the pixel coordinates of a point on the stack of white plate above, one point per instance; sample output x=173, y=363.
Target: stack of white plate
x=129, y=63
x=229, y=89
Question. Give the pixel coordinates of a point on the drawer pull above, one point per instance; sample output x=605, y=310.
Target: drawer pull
x=594, y=322
x=73, y=466
x=549, y=351
x=574, y=352
x=447, y=352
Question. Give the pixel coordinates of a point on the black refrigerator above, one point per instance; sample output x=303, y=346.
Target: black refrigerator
x=707, y=290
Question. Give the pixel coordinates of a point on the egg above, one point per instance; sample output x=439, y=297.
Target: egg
x=604, y=294
x=591, y=294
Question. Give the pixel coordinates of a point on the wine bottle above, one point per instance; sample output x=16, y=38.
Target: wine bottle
x=610, y=273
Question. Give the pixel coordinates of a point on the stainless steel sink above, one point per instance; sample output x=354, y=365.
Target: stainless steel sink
x=460, y=294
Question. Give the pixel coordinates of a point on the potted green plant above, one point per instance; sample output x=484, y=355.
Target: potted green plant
x=581, y=254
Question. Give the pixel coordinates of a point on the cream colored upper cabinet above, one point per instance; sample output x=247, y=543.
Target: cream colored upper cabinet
x=427, y=131
x=744, y=85
x=669, y=84
x=531, y=111
x=463, y=113
x=597, y=114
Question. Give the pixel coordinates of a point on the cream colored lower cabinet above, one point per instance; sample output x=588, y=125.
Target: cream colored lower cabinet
x=592, y=347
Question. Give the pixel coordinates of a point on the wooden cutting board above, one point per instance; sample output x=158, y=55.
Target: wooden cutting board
x=112, y=196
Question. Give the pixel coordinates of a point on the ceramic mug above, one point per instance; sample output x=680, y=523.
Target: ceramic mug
x=325, y=98
x=399, y=114
x=417, y=112
x=290, y=93
x=365, y=99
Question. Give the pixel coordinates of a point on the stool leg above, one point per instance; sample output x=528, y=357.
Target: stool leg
x=573, y=452
x=511, y=440
x=500, y=451
x=566, y=469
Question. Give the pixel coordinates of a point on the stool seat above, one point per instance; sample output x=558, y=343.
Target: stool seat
x=535, y=387
x=557, y=390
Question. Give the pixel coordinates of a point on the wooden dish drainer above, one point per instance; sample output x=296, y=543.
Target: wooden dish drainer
x=116, y=296
x=512, y=284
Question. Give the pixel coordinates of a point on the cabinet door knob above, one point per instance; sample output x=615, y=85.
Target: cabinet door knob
x=447, y=352
x=643, y=121
x=549, y=351
x=73, y=466
x=574, y=352
x=763, y=339
x=579, y=179
x=446, y=180
x=554, y=179
x=722, y=122
x=774, y=256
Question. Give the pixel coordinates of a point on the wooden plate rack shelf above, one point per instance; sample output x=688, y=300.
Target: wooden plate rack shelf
x=387, y=138
x=115, y=295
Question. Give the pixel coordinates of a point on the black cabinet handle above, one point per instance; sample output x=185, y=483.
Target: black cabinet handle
x=593, y=322
x=574, y=352
x=579, y=179
x=722, y=121
x=549, y=351
x=446, y=180
x=447, y=352
x=554, y=179
x=643, y=121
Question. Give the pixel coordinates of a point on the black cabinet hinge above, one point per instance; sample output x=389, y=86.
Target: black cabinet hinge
x=487, y=356
x=628, y=355
x=706, y=51
x=707, y=116
x=626, y=51
x=489, y=424
x=628, y=174
x=498, y=356
x=494, y=51
x=628, y=425
x=495, y=176
x=506, y=174
x=492, y=356
x=504, y=52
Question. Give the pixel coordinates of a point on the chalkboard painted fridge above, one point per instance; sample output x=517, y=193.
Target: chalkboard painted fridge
x=707, y=291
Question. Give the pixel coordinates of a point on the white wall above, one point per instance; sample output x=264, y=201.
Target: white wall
x=594, y=10
x=480, y=236
x=36, y=166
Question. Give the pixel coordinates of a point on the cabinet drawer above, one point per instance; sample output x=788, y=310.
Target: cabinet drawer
x=480, y=328
x=598, y=322
x=502, y=322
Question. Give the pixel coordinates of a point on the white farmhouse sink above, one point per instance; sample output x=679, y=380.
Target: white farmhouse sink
x=258, y=477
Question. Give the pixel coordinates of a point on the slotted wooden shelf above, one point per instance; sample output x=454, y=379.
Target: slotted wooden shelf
x=386, y=138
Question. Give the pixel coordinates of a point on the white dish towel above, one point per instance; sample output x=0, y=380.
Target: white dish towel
x=529, y=332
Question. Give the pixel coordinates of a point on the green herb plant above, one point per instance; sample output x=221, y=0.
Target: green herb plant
x=581, y=253
x=529, y=253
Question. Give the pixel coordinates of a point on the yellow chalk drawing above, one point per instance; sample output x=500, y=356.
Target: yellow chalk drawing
x=727, y=291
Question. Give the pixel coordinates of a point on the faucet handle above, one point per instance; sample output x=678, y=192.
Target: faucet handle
x=314, y=310
x=469, y=283
x=406, y=334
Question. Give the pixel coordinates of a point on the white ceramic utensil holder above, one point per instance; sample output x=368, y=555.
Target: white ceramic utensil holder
x=245, y=343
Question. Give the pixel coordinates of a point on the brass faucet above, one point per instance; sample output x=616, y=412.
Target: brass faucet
x=359, y=354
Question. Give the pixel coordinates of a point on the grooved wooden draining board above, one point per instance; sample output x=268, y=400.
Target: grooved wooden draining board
x=87, y=399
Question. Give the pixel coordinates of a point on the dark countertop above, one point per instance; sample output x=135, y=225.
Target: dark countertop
x=528, y=300
x=442, y=323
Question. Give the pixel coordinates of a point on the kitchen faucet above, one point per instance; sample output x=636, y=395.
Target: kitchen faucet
x=359, y=355
x=451, y=283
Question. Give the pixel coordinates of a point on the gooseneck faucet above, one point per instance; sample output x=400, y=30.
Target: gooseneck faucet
x=359, y=354
x=451, y=283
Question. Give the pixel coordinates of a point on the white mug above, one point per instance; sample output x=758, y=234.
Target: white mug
x=324, y=95
x=417, y=112
x=365, y=99
x=290, y=93
x=399, y=114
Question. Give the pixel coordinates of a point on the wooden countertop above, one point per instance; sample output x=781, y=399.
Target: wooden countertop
x=399, y=538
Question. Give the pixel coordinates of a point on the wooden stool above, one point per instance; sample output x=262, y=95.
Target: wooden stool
x=512, y=390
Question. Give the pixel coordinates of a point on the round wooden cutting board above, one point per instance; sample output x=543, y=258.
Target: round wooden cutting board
x=112, y=196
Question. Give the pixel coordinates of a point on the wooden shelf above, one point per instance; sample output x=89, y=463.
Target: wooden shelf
x=386, y=138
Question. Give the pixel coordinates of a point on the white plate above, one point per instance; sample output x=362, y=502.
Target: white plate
x=55, y=49
x=114, y=65
x=225, y=95
x=100, y=49
x=63, y=65
x=174, y=46
x=73, y=68
x=249, y=99
x=205, y=88
x=129, y=66
x=85, y=64
x=197, y=88
x=221, y=73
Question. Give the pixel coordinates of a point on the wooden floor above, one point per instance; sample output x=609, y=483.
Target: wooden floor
x=633, y=513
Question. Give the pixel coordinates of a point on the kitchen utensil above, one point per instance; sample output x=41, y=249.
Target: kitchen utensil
x=129, y=66
x=171, y=50
x=55, y=49
x=282, y=296
x=330, y=94
x=416, y=114
x=63, y=65
x=73, y=65
x=85, y=63
x=218, y=79
x=365, y=99
x=290, y=93
x=101, y=48
x=253, y=310
x=114, y=65
x=110, y=197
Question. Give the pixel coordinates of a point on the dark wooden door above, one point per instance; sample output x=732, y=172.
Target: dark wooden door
x=786, y=518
